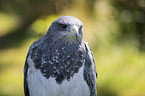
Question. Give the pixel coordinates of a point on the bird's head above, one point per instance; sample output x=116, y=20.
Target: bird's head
x=67, y=29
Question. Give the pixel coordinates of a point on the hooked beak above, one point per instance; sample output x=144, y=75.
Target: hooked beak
x=74, y=29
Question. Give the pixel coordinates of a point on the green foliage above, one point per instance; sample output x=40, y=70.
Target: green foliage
x=42, y=25
x=109, y=28
x=7, y=23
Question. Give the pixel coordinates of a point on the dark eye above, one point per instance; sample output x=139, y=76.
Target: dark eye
x=63, y=26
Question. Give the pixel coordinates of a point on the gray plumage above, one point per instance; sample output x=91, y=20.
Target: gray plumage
x=60, y=63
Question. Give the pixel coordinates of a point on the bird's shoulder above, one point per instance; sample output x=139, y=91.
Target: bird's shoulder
x=90, y=72
x=35, y=45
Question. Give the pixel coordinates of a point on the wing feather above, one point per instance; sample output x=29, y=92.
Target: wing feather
x=26, y=90
x=90, y=72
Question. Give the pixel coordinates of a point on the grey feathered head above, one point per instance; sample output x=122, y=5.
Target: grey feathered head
x=67, y=29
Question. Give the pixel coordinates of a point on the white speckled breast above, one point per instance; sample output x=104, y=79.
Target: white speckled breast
x=40, y=86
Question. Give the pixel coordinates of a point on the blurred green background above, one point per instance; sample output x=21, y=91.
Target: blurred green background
x=114, y=29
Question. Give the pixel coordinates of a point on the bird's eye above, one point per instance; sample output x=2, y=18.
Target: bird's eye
x=63, y=26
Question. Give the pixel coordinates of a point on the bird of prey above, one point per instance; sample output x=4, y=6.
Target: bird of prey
x=60, y=63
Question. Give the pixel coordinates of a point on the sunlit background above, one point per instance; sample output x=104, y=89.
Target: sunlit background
x=114, y=30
